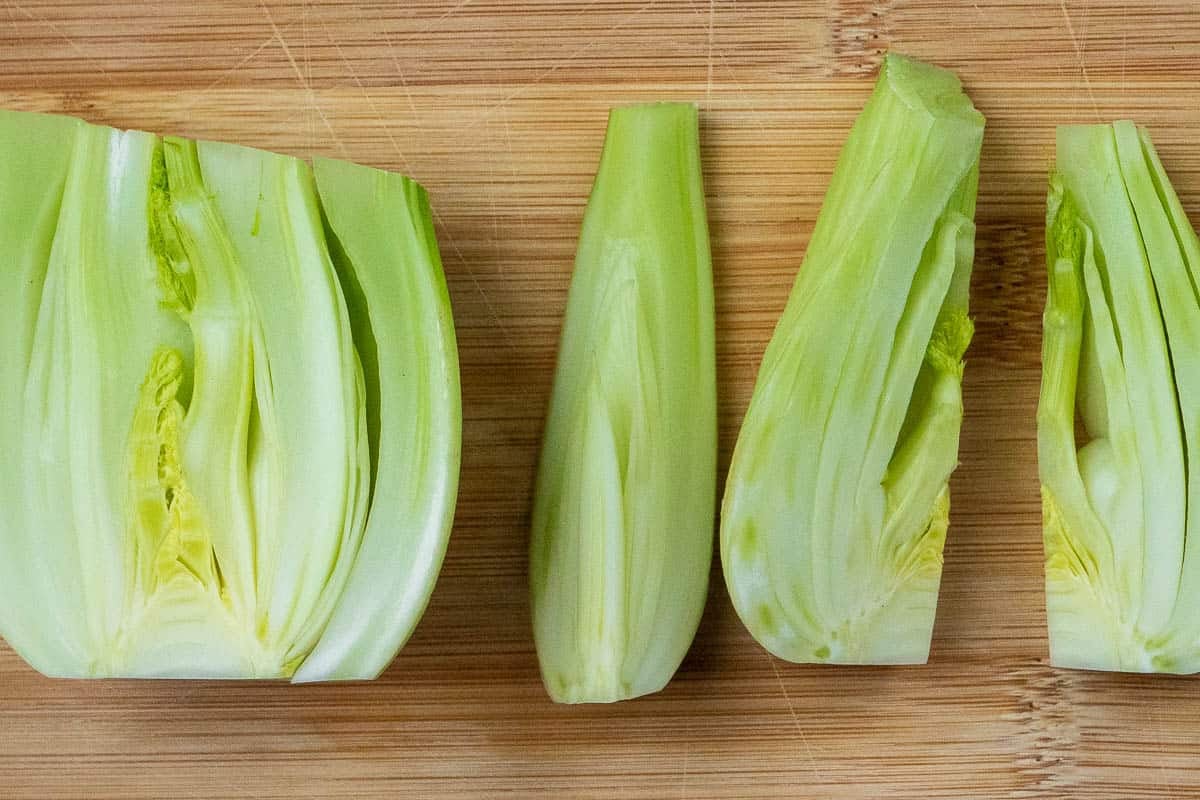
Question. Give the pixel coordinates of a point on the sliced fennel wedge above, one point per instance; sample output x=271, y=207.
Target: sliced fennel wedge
x=624, y=507
x=231, y=398
x=1119, y=413
x=837, y=500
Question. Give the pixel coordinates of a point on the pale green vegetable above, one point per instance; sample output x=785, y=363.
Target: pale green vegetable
x=837, y=500
x=1119, y=414
x=231, y=407
x=623, y=516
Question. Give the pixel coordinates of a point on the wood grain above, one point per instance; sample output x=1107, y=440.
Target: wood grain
x=498, y=106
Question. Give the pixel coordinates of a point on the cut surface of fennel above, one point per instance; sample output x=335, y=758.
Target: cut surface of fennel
x=837, y=500
x=200, y=409
x=1119, y=412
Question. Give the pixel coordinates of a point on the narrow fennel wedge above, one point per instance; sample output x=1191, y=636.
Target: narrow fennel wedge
x=231, y=407
x=1119, y=413
x=626, y=490
x=837, y=500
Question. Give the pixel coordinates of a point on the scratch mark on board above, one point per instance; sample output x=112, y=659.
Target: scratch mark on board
x=399, y=72
x=1079, y=56
x=812, y=761
x=570, y=58
x=387, y=130
x=406, y=166
x=512, y=169
x=312, y=96
x=738, y=88
x=226, y=74
x=459, y=6
x=70, y=41
x=12, y=18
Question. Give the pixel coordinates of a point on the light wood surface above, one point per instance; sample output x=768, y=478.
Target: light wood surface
x=498, y=107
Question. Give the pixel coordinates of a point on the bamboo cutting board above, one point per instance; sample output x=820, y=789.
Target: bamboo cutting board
x=498, y=107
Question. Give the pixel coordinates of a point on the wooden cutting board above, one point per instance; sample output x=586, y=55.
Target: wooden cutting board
x=498, y=107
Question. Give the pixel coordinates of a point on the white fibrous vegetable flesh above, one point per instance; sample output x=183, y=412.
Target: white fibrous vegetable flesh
x=837, y=501
x=626, y=490
x=1119, y=413
x=230, y=404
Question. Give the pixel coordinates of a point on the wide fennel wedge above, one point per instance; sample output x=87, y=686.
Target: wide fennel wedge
x=837, y=500
x=1119, y=413
x=231, y=407
x=626, y=490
